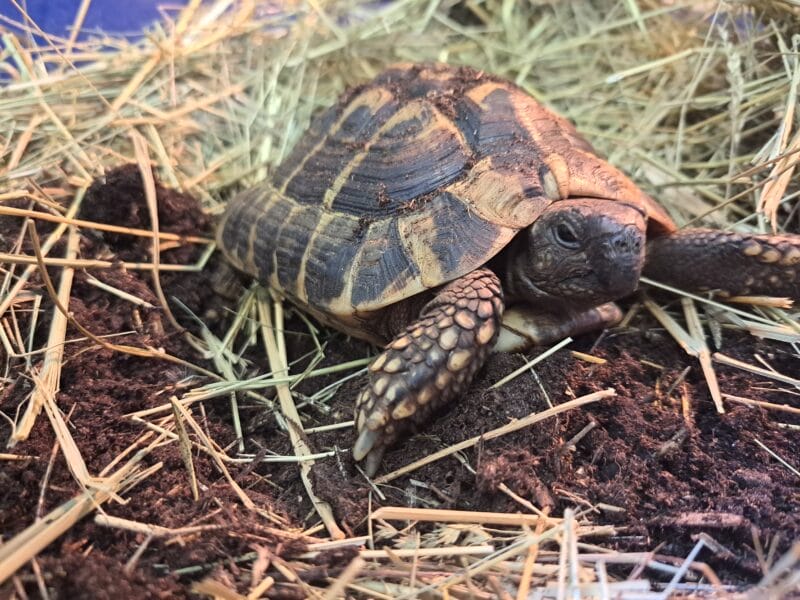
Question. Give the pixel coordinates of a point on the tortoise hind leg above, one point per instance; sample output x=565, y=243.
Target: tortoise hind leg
x=428, y=364
x=734, y=263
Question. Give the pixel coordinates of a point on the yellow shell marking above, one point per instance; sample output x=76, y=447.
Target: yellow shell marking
x=374, y=98
x=508, y=208
x=409, y=111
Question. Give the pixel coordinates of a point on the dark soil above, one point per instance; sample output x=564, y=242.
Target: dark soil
x=671, y=473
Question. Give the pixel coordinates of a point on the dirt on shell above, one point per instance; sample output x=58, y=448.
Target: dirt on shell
x=656, y=461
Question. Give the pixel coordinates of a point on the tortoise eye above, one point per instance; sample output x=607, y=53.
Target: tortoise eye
x=566, y=236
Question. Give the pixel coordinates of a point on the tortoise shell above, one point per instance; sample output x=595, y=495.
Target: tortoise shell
x=408, y=182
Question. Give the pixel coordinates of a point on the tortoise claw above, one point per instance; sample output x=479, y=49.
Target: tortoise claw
x=373, y=461
x=368, y=448
x=365, y=443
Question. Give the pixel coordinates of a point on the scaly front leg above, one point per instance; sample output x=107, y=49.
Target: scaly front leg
x=737, y=264
x=428, y=364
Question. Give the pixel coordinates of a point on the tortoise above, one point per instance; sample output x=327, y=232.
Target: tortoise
x=442, y=212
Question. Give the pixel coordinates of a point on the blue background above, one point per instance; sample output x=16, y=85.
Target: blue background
x=113, y=16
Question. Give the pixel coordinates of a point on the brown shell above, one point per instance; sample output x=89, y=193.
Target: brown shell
x=408, y=182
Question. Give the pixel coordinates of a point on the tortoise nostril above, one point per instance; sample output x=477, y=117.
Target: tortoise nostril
x=627, y=241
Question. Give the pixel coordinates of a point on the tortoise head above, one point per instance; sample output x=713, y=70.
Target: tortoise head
x=579, y=253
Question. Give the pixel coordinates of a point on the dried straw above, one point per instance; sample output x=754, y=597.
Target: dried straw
x=696, y=100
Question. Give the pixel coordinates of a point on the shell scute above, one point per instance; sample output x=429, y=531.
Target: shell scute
x=309, y=173
x=448, y=239
x=329, y=257
x=261, y=254
x=383, y=268
x=296, y=232
x=391, y=170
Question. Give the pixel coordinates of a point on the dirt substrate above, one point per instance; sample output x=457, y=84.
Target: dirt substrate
x=663, y=468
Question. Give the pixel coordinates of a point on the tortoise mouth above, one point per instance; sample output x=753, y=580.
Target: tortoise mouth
x=597, y=279
x=595, y=287
x=573, y=291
